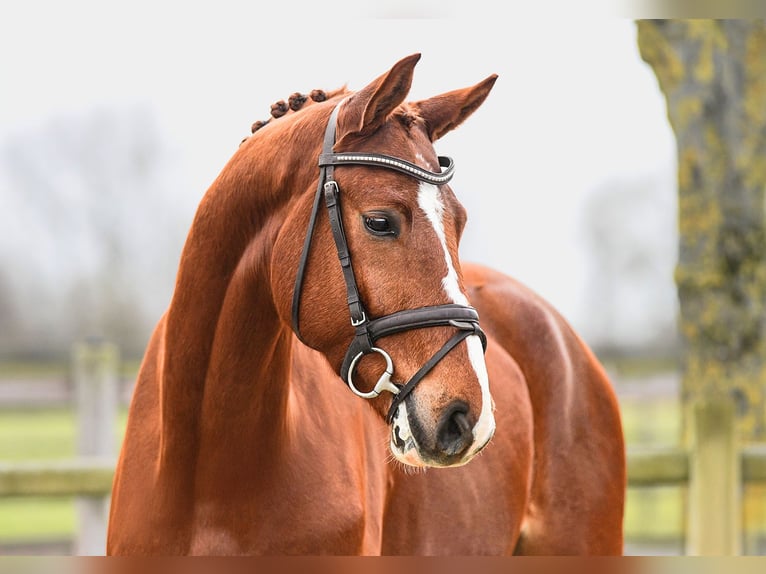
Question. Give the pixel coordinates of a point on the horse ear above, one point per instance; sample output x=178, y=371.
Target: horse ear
x=445, y=112
x=367, y=109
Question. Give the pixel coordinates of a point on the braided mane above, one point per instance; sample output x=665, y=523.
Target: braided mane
x=296, y=102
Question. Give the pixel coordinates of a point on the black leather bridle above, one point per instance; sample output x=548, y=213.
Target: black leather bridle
x=368, y=330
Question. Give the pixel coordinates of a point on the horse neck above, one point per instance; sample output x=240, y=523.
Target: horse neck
x=226, y=353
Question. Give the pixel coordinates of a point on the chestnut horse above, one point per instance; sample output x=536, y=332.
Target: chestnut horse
x=242, y=437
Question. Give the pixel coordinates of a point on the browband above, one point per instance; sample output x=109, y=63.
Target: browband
x=395, y=163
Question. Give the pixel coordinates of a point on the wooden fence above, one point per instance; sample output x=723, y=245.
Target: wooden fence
x=89, y=477
x=715, y=468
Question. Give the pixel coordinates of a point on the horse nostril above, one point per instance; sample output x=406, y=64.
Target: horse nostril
x=454, y=435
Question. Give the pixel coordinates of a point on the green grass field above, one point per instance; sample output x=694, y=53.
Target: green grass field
x=39, y=434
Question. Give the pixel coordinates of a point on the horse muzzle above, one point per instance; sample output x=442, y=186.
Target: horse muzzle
x=453, y=440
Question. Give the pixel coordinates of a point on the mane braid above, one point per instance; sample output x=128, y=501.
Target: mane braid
x=294, y=103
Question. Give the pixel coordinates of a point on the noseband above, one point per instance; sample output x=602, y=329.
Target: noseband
x=367, y=330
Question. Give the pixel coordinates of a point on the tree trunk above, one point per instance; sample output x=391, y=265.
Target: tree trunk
x=713, y=76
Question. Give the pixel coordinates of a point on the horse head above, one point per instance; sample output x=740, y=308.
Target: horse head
x=397, y=298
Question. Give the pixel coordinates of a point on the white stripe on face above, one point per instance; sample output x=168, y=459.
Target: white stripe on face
x=430, y=202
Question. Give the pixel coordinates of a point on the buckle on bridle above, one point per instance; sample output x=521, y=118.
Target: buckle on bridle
x=384, y=382
x=357, y=323
x=331, y=192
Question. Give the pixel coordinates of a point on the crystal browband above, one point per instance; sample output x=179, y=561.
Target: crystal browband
x=390, y=162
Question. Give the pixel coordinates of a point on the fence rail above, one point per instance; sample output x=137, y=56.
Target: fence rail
x=92, y=476
x=754, y=463
x=83, y=476
x=652, y=466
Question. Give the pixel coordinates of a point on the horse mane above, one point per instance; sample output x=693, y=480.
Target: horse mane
x=295, y=102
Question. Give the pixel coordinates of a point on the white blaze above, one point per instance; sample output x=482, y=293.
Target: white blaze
x=430, y=202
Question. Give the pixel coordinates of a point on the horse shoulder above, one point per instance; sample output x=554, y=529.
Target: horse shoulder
x=577, y=494
x=333, y=472
x=135, y=475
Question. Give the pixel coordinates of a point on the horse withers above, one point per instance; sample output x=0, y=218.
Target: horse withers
x=330, y=379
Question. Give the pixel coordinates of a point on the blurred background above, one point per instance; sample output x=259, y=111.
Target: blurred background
x=114, y=121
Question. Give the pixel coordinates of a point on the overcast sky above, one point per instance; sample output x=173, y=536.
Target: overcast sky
x=574, y=108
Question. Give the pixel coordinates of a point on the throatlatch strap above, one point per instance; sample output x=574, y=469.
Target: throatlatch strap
x=296, y=308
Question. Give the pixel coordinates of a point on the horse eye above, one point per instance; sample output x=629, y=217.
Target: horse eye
x=379, y=224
